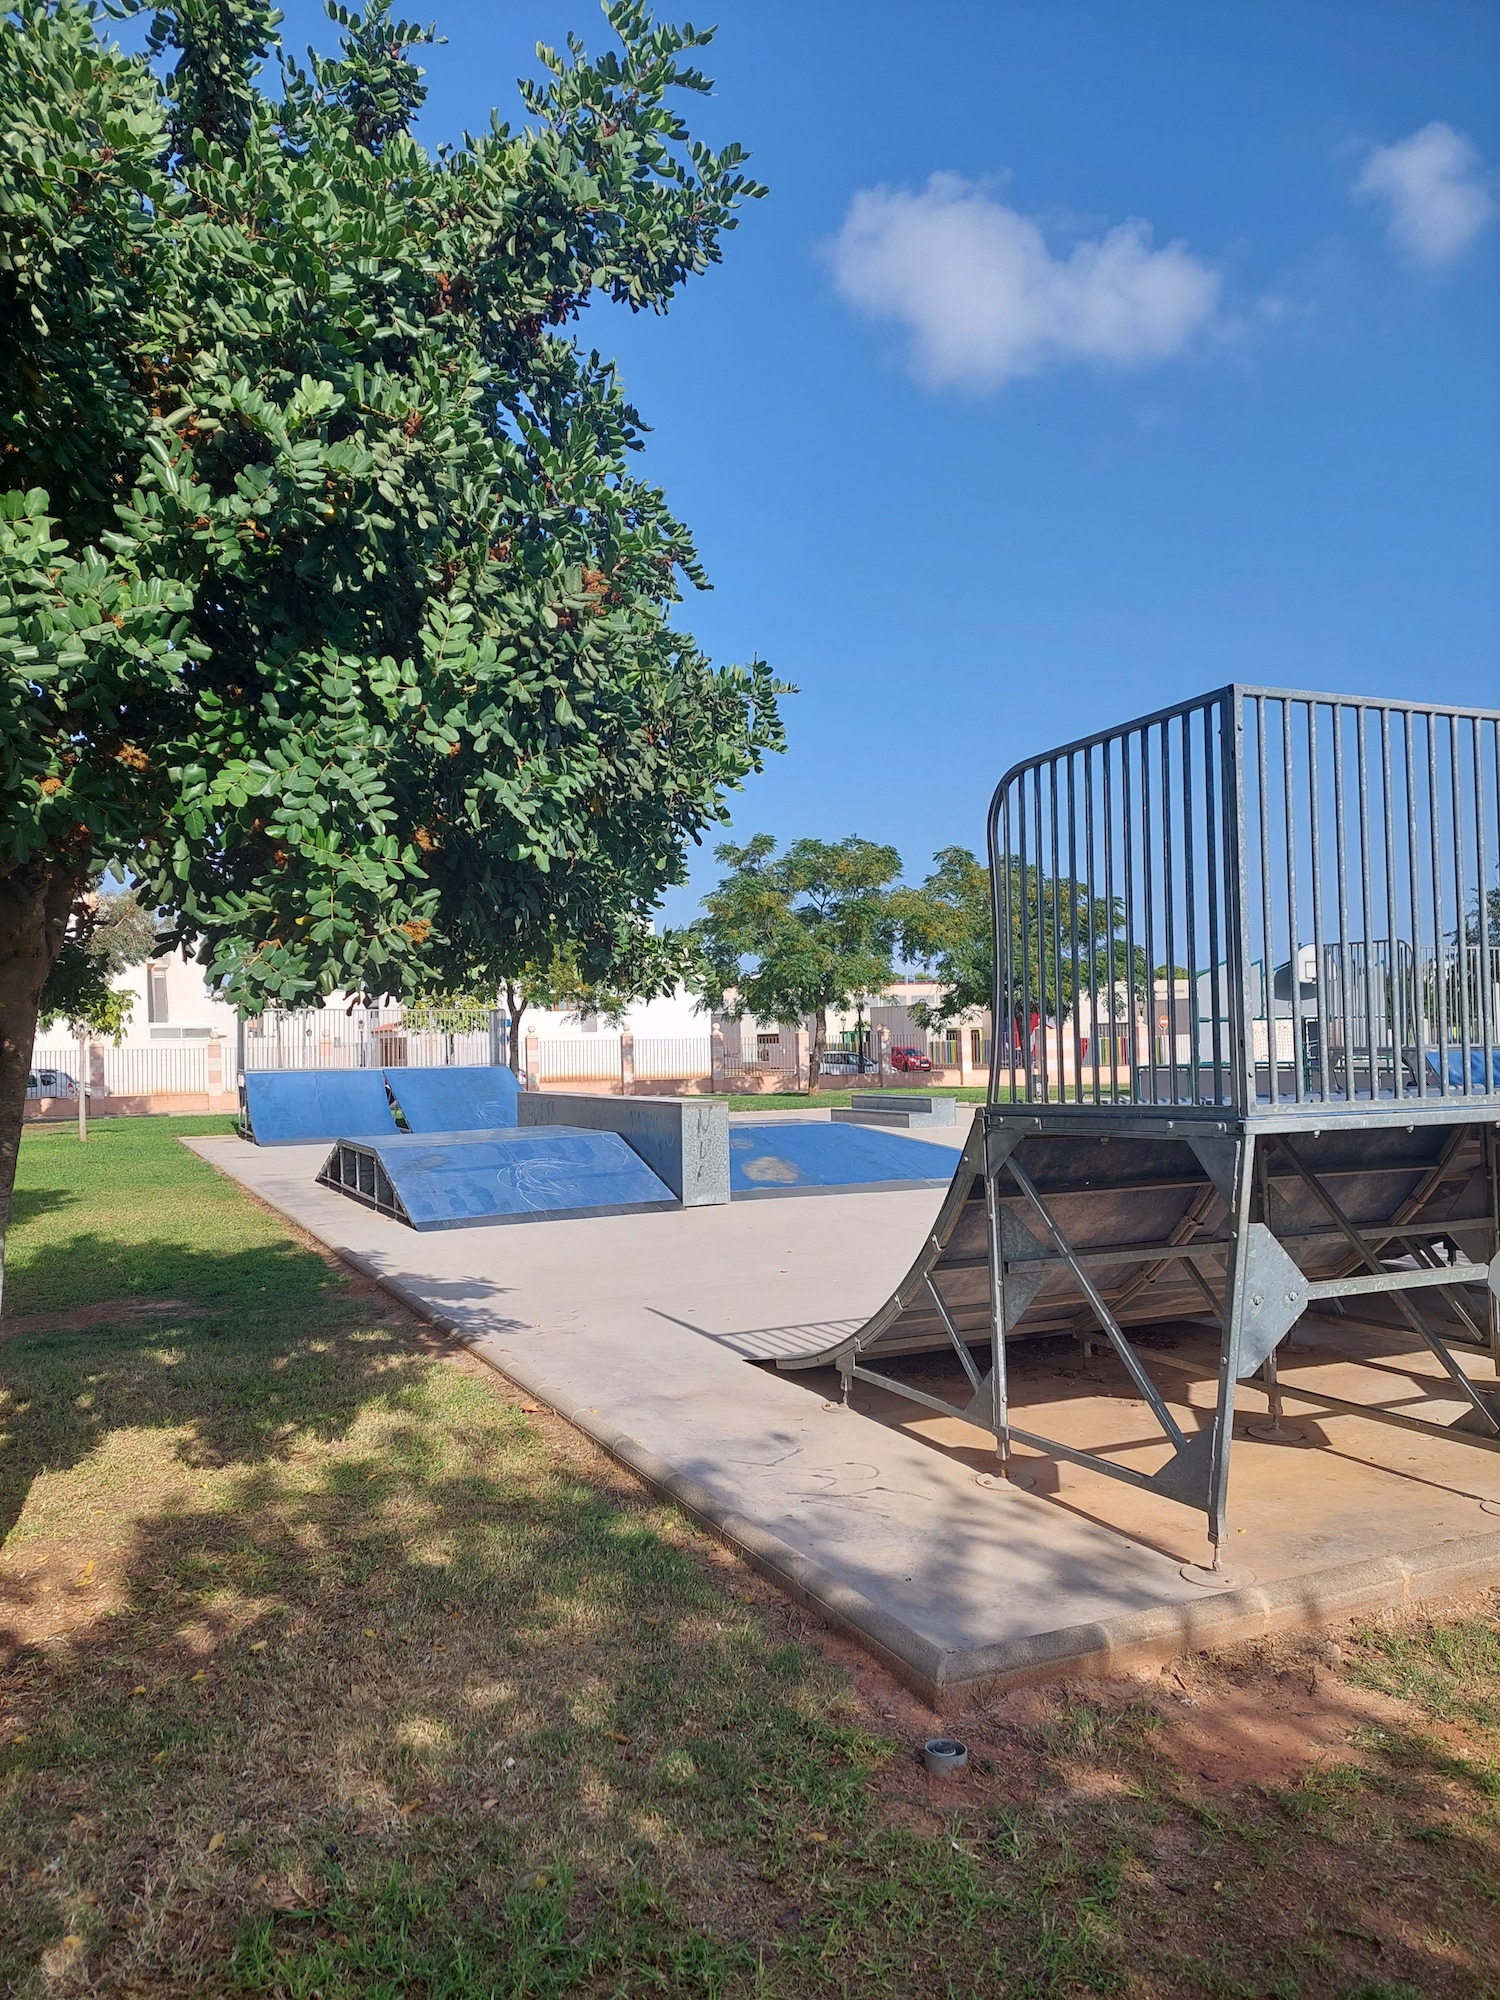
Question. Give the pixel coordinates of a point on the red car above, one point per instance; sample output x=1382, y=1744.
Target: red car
x=910, y=1059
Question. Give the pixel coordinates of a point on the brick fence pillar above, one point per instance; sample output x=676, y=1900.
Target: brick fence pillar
x=627, y=1064
x=533, y=1064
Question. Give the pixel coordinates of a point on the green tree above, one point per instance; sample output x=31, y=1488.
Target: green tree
x=787, y=937
x=1062, y=941
x=328, y=602
x=109, y=931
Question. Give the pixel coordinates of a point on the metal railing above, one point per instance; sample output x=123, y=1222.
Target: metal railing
x=579, y=1059
x=673, y=1058
x=1259, y=898
x=364, y=1038
x=156, y=1069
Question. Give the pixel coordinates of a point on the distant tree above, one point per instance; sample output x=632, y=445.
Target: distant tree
x=328, y=601
x=786, y=938
x=947, y=925
x=642, y=967
x=109, y=932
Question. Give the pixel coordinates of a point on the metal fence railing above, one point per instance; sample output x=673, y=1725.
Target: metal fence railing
x=579, y=1059
x=364, y=1038
x=1261, y=897
x=673, y=1058
x=155, y=1069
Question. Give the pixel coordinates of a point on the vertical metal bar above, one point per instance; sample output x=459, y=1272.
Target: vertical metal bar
x=1414, y=893
x=1148, y=905
x=1234, y=1312
x=1267, y=937
x=1460, y=942
x=1320, y=1000
x=999, y=1382
x=1091, y=914
x=1393, y=951
x=1024, y=891
x=1106, y=764
x=1294, y=928
x=1232, y=791
x=1004, y=996
x=1043, y=1068
x=1437, y=903
x=1340, y=849
x=1190, y=910
x=1361, y=723
x=1128, y=831
x=1073, y=928
x=1219, y=969
x=1169, y=899
x=1482, y=869
x=1057, y=990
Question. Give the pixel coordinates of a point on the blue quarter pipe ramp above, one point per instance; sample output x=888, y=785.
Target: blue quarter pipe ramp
x=454, y=1100
x=789, y=1158
x=457, y=1180
x=289, y=1107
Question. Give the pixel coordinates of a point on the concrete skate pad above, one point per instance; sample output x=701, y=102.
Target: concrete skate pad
x=464, y=1180
x=455, y=1100
x=640, y=1329
x=289, y=1107
x=808, y=1158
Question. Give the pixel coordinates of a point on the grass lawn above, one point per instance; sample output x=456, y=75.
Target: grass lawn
x=330, y=1668
x=828, y=1100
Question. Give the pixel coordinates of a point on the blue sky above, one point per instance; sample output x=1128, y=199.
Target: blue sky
x=1184, y=369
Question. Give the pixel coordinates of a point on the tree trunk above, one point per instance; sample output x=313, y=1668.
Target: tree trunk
x=515, y=1007
x=815, y=1051
x=36, y=901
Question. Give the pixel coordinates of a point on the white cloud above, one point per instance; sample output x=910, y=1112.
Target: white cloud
x=985, y=299
x=1435, y=191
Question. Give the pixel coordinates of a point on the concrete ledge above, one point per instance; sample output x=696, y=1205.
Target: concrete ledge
x=683, y=1140
x=1424, y=1578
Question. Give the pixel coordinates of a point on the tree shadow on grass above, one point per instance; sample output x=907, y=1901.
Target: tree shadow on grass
x=274, y=1348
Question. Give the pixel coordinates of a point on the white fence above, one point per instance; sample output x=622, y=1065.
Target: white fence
x=673, y=1058
x=367, y=1038
x=579, y=1059
x=134, y=1072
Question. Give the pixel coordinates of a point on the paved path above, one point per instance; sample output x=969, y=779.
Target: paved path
x=641, y=1330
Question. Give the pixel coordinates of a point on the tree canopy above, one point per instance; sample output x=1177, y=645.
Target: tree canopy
x=787, y=937
x=329, y=605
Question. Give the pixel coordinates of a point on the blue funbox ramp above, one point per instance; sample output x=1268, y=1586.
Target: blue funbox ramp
x=812, y=1158
x=288, y=1107
x=456, y=1180
x=455, y=1100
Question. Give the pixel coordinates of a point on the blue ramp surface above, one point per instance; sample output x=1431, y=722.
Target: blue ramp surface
x=285, y=1107
x=794, y=1158
x=455, y=1100
x=456, y=1180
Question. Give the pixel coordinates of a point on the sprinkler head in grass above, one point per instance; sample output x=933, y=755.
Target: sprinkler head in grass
x=945, y=1756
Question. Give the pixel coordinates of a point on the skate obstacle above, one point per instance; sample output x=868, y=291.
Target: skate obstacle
x=286, y=1107
x=1246, y=1068
x=454, y=1100
x=456, y=1180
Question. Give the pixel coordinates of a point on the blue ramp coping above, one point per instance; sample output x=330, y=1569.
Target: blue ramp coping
x=289, y=1107
x=813, y=1158
x=1484, y=1074
x=454, y=1100
x=460, y=1180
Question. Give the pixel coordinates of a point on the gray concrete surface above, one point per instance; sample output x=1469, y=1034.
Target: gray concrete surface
x=640, y=1329
x=898, y=1110
x=683, y=1140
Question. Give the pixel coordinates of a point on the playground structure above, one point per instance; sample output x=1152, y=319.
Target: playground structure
x=1247, y=1008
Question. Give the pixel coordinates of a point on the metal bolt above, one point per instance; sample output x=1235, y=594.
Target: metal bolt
x=1257, y=1300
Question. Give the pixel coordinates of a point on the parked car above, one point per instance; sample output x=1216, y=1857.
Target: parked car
x=53, y=1083
x=848, y=1060
x=910, y=1059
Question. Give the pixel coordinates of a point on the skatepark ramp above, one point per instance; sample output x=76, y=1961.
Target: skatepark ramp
x=458, y=1180
x=1247, y=1067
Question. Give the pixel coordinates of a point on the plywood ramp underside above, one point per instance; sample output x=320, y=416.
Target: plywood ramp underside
x=1152, y=1200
